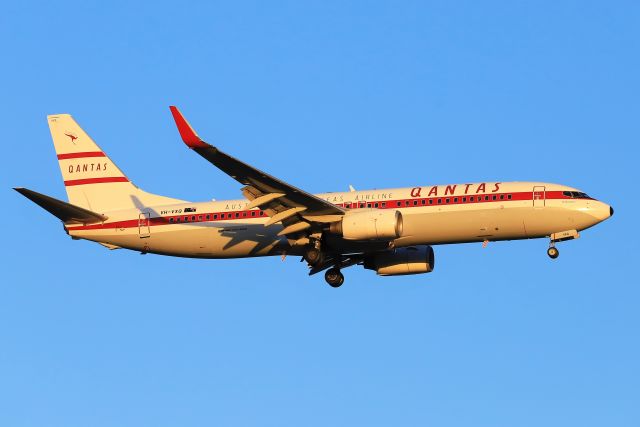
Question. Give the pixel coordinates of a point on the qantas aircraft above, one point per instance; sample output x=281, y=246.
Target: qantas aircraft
x=390, y=231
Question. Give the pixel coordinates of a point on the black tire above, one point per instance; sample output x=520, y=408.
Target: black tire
x=334, y=277
x=314, y=256
x=553, y=252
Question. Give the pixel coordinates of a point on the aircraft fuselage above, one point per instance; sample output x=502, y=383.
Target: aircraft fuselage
x=432, y=215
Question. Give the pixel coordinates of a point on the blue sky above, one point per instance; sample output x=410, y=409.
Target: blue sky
x=323, y=95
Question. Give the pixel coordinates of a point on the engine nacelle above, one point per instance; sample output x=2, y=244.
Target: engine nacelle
x=375, y=224
x=409, y=260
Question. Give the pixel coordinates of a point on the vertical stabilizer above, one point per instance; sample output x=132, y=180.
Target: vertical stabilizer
x=91, y=179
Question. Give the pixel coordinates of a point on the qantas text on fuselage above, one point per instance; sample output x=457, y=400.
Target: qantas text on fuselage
x=390, y=231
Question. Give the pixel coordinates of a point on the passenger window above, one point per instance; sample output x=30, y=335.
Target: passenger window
x=471, y=198
x=447, y=201
x=464, y=199
x=178, y=219
x=424, y=202
x=199, y=217
x=186, y=219
x=193, y=218
x=383, y=204
x=502, y=197
x=439, y=201
x=486, y=197
x=494, y=197
x=170, y=219
x=430, y=201
x=455, y=200
x=509, y=196
x=237, y=214
x=415, y=203
x=253, y=213
x=375, y=205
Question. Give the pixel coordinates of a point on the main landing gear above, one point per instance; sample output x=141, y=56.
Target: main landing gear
x=314, y=255
x=334, y=277
x=553, y=252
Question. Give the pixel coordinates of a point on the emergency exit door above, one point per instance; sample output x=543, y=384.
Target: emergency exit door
x=539, y=196
x=143, y=225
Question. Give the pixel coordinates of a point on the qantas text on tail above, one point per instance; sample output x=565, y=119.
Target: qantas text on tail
x=390, y=231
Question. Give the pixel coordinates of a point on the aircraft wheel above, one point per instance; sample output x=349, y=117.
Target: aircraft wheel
x=553, y=252
x=314, y=256
x=334, y=277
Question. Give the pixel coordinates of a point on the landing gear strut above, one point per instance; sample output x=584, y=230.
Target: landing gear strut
x=334, y=277
x=553, y=251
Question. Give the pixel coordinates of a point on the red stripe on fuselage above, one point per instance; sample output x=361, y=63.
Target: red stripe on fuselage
x=95, y=180
x=81, y=155
x=389, y=204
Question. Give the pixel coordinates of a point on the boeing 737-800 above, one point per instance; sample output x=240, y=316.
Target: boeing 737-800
x=389, y=231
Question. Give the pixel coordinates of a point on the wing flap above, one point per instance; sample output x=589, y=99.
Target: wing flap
x=261, y=200
x=282, y=215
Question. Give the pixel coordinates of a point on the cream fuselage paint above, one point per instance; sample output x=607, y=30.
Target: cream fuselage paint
x=430, y=217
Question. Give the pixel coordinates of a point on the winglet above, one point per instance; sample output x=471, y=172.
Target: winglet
x=189, y=136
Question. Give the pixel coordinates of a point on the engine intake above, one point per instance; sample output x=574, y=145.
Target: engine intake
x=369, y=225
x=409, y=260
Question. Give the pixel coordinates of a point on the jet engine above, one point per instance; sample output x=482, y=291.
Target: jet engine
x=409, y=260
x=369, y=225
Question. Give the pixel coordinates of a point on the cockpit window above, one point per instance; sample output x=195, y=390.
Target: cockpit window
x=575, y=195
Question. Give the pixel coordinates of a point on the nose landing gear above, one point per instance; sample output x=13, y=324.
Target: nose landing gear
x=553, y=252
x=334, y=277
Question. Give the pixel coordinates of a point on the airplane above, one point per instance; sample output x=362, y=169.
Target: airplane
x=389, y=231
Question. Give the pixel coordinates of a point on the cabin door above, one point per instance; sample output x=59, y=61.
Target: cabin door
x=143, y=225
x=539, y=196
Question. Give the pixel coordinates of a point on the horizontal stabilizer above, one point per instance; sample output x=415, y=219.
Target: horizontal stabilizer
x=63, y=210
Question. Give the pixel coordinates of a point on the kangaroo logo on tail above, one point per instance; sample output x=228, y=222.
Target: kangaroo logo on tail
x=72, y=137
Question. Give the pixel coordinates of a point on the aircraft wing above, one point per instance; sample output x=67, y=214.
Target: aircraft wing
x=283, y=202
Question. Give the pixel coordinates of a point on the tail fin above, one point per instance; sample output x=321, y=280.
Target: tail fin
x=91, y=179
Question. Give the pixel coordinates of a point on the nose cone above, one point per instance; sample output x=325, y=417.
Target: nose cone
x=600, y=211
